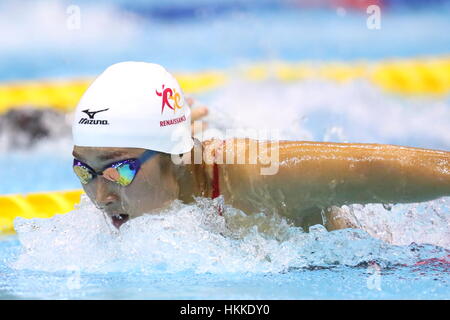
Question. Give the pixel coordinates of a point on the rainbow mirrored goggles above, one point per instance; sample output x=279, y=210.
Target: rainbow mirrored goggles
x=121, y=172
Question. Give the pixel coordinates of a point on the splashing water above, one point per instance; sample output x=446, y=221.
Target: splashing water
x=402, y=224
x=319, y=110
x=192, y=237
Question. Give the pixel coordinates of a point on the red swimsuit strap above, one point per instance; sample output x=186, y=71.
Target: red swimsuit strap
x=215, y=184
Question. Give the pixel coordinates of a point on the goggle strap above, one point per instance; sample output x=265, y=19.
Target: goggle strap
x=147, y=155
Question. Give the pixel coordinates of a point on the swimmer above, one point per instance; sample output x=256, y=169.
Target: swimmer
x=137, y=156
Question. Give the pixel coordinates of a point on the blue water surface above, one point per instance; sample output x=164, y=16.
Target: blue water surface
x=417, y=282
x=198, y=35
x=203, y=35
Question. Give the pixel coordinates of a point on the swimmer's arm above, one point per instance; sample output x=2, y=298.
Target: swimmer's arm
x=342, y=173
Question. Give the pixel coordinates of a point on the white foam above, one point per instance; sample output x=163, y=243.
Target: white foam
x=402, y=224
x=193, y=237
x=319, y=110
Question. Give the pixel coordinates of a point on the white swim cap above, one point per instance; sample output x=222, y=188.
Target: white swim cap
x=134, y=105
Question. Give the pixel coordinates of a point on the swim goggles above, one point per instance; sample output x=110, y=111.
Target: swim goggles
x=121, y=172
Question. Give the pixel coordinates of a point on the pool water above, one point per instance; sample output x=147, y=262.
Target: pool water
x=429, y=282
x=188, y=252
x=199, y=35
x=400, y=251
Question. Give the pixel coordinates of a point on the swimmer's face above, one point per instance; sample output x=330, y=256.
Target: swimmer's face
x=152, y=188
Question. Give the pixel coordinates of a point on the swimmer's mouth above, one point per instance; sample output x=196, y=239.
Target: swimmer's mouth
x=119, y=219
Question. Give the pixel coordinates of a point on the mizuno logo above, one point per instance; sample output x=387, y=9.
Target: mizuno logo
x=92, y=114
x=87, y=121
x=91, y=120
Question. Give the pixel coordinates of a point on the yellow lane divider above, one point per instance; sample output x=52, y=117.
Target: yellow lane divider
x=35, y=205
x=412, y=76
x=62, y=95
x=202, y=81
x=420, y=76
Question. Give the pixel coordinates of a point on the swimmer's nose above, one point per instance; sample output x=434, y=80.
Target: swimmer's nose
x=103, y=195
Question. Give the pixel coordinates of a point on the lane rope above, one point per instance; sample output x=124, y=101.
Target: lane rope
x=35, y=205
x=413, y=76
x=407, y=76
